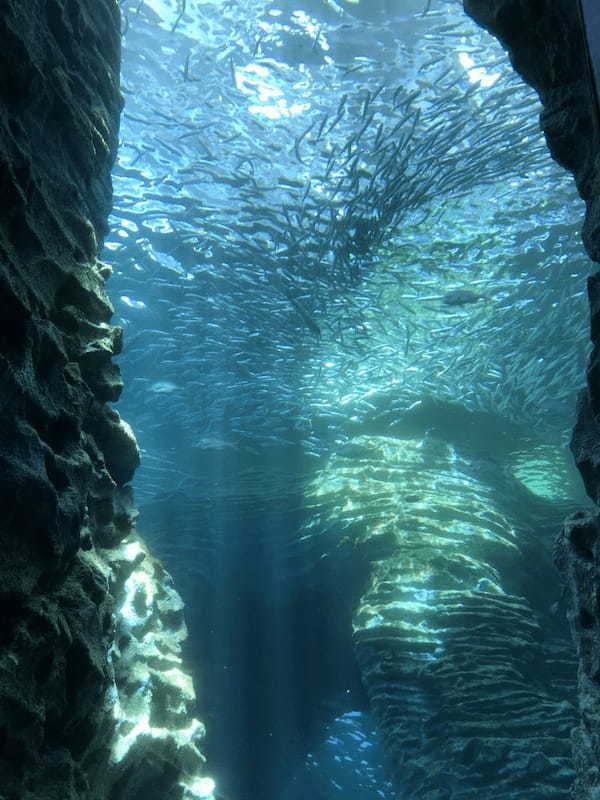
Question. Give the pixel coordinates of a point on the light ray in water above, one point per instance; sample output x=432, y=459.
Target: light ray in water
x=331, y=224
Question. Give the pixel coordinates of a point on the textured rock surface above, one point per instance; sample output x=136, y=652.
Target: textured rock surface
x=463, y=664
x=578, y=553
x=154, y=747
x=546, y=45
x=65, y=456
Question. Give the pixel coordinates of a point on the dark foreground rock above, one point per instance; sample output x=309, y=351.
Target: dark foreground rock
x=66, y=667
x=578, y=554
x=545, y=41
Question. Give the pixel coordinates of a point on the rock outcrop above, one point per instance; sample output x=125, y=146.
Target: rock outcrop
x=546, y=44
x=463, y=664
x=66, y=457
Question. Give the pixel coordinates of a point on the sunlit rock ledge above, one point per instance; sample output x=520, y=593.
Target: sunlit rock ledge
x=156, y=740
x=446, y=638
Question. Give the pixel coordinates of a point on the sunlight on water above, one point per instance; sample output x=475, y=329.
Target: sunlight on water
x=333, y=247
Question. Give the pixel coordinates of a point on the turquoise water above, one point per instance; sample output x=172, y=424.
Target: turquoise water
x=331, y=219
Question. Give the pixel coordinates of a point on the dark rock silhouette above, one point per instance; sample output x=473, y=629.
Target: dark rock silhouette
x=547, y=45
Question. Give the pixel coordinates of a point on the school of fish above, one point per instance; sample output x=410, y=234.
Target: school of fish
x=323, y=208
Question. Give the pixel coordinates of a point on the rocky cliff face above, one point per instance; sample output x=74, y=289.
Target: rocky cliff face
x=545, y=42
x=460, y=655
x=65, y=455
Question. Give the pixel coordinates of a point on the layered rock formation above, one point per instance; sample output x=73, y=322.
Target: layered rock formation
x=468, y=673
x=546, y=44
x=65, y=455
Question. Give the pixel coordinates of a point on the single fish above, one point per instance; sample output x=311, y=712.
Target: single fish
x=212, y=442
x=461, y=297
x=164, y=387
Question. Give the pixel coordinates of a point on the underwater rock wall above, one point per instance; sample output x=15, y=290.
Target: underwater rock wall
x=546, y=46
x=467, y=674
x=155, y=742
x=65, y=455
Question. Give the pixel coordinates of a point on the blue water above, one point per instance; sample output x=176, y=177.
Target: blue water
x=263, y=265
x=348, y=763
x=301, y=191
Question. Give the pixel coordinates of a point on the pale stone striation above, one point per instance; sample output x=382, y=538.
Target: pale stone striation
x=65, y=456
x=546, y=45
x=155, y=744
x=467, y=673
